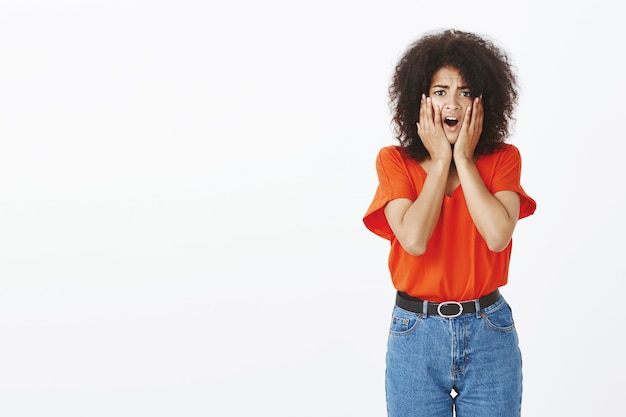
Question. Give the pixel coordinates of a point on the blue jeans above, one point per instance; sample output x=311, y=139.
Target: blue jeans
x=471, y=364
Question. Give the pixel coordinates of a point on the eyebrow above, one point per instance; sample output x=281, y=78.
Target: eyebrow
x=463, y=87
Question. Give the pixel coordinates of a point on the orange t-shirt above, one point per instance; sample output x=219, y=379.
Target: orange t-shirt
x=457, y=264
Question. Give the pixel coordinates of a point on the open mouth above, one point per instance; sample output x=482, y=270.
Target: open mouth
x=451, y=121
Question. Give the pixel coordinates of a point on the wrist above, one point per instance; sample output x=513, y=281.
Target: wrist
x=460, y=160
x=441, y=161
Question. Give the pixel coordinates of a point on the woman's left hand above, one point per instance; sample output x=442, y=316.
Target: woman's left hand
x=471, y=129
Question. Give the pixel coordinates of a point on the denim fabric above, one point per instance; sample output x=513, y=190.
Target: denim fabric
x=471, y=364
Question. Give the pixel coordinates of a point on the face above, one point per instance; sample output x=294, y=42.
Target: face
x=452, y=95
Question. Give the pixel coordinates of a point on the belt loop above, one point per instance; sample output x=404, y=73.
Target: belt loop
x=477, y=303
x=425, y=308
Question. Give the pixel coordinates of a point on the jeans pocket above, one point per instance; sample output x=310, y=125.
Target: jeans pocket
x=402, y=321
x=500, y=318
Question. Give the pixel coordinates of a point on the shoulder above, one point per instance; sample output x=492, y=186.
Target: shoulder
x=391, y=151
x=505, y=151
x=392, y=155
x=510, y=149
x=395, y=158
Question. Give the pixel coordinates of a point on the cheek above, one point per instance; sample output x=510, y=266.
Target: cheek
x=467, y=102
x=437, y=101
x=464, y=105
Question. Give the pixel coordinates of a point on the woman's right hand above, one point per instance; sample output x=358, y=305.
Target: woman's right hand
x=430, y=130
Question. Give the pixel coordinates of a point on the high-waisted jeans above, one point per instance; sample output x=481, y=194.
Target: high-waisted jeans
x=471, y=364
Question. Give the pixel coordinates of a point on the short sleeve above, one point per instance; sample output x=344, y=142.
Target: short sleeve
x=508, y=177
x=394, y=181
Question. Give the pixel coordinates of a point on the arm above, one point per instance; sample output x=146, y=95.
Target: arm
x=494, y=215
x=413, y=222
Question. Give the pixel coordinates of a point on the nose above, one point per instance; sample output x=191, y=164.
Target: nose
x=452, y=102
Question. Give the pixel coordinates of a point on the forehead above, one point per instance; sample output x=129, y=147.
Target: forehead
x=448, y=76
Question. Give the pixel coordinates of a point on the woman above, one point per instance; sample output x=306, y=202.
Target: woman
x=448, y=200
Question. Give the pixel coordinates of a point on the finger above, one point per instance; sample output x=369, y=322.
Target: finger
x=477, y=115
x=480, y=111
x=467, y=119
x=430, y=110
x=422, y=112
x=437, y=117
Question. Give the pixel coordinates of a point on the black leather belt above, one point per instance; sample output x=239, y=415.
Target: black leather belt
x=448, y=309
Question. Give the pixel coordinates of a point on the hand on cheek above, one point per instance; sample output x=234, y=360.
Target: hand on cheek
x=470, y=130
x=430, y=130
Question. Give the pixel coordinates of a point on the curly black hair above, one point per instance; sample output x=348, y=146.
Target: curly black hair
x=483, y=65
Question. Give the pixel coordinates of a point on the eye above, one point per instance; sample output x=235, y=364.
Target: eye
x=466, y=94
x=439, y=93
